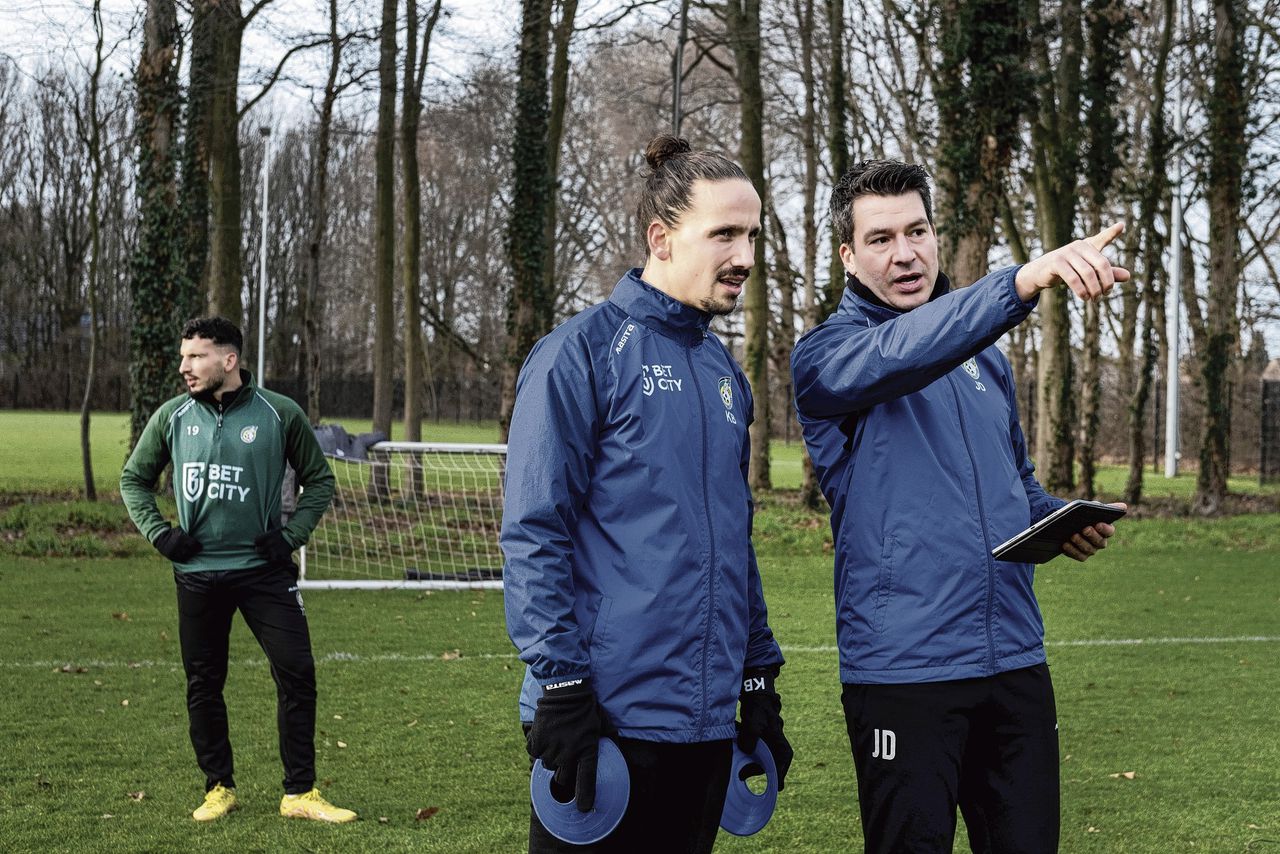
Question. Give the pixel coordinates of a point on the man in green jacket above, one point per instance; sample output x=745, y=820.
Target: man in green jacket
x=229, y=442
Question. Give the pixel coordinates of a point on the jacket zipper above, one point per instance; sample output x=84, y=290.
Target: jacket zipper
x=982, y=518
x=711, y=541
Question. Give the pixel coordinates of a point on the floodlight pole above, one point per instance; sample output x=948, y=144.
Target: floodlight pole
x=262, y=253
x=1173, y=301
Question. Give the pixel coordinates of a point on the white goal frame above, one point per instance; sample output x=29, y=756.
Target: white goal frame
x=308, y=558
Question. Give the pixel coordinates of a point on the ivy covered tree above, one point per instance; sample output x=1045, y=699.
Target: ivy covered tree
x=157, y=281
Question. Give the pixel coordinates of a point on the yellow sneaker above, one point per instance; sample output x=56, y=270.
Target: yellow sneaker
x=312, y=805
x=218, y=801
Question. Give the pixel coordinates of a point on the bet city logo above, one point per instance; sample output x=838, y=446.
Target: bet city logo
x=221, y=484
x=659, y=378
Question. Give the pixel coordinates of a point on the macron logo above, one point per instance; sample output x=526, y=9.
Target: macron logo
x=626, y=335
x=566, y=684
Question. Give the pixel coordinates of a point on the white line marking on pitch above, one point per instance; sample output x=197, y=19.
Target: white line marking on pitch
x=356, y=658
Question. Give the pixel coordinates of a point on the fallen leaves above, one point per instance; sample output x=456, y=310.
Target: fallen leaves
x=451, y=655
x=122, y=616
x=426, y=813
x=70, y=668
x=137, y=796
x=1128, y=775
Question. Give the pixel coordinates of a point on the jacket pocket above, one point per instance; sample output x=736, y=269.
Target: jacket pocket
x=884, y=583
x=597, y=632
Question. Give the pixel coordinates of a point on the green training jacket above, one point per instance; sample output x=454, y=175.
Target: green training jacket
x=228, y=468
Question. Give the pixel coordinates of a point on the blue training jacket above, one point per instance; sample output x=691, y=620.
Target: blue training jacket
x=627, y=522
x=911, y=420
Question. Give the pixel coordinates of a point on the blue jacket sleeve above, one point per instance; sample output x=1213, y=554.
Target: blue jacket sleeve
x=762, y=647
x=552, y=441
x=841, y=367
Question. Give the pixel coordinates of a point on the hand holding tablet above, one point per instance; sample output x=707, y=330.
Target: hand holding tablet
x=1071, y=530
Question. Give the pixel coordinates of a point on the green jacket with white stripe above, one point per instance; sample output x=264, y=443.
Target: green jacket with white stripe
x=228, y=468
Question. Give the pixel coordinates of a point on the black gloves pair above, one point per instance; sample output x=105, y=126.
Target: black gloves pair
x=761, y=710
x=565, y=735
x=275, y=549
x=177, y=545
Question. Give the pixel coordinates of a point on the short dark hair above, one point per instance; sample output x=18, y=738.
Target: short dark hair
x=219, y=330
x=876, y=178
x=674, y=167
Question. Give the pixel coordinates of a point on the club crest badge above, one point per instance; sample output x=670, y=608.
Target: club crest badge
x=192, y=480
x=248, y=434
x=726, y=392
x=971, y=368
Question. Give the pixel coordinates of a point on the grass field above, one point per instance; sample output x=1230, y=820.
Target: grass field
x=1164, y=655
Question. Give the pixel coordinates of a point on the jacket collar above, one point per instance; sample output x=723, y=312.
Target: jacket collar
x=858, y=298
x=658, y=310
x=244, y=392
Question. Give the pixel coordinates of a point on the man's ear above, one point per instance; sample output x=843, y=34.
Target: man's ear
x=848, y=260
x=230, y=360
x=658, y=236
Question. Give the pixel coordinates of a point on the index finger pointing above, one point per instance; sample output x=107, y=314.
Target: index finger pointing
x=1104, y=237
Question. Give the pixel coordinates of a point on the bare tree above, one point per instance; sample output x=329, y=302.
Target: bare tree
x=529, y=306
x=1228, y=149
x=415, y=70
x=384, y=224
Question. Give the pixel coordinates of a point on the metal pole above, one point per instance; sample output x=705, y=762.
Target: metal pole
x=1173, y=300
x=262, y=253
x=677, y=71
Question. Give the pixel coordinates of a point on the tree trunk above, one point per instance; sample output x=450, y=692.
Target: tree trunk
x=983, y=91
x=95, y=252
x=384, y=225
x=562, y=36
x=837, y=142
x=1056, y=160
x=194, y=190
x=1150, y=206
x=313, y=295
x=528, y=305
x=810, y=495
x=415, y=66
x=1228, y=148
x=744, y=37
x=157, y=275
x=224, y=271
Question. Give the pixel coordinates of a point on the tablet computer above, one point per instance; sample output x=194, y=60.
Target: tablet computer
x=1043, y=540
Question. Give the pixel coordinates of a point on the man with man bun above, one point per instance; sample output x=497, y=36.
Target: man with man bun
x=631, y=585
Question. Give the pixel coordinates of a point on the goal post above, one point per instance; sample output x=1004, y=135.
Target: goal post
x=412, y=515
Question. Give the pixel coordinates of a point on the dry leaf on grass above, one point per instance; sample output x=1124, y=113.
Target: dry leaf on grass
x=342, y=744
x=451, y=655
x=426, y=813
x=137, y=796
x=122, y=616
x=1128, y=775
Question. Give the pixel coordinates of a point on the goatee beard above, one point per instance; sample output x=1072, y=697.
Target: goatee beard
x=210, y=390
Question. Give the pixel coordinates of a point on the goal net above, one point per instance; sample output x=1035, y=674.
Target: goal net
x=414, y=514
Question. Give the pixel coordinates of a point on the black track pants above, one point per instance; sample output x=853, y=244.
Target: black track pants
x=988, y=746
x=269, y=601
x=677, y=795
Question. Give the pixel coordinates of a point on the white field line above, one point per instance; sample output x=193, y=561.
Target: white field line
x=394, y=657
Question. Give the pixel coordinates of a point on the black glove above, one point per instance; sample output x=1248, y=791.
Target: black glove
x=177, y=545
x=274, y=547
x=565, y=735
x=761, y=710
